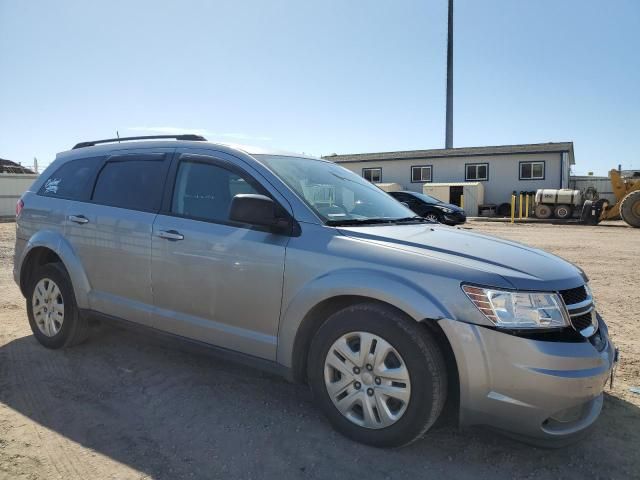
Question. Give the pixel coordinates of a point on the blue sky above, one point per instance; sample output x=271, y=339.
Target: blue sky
x=322, y=76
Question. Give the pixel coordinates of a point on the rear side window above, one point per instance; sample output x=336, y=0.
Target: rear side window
x=72, y=180
x=134, y=183
x=204, y=191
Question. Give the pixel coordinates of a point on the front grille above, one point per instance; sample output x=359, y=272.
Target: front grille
x=582, y=321
x=581, y=316
x=574, y=295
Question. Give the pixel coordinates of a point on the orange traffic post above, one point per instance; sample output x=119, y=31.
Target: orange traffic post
x=513, y=207
x=526, y=208
x=462, y=201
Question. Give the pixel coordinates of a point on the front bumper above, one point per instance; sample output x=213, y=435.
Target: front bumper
x=540, y=390
x=454, y=218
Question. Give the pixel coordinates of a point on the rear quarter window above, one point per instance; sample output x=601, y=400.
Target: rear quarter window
x=134, y=183
x=72, y=180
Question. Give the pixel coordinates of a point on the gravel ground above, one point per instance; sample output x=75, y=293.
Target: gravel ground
x=130, y=405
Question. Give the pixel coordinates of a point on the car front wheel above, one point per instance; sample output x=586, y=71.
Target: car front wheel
x=433, y=217
x=379, y=377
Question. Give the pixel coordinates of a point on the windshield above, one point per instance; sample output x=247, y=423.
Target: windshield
x=426, y=198
x=336, y=194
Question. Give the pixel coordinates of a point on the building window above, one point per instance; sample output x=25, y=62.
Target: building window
x=476, y=171
x=531, y=170
x=374, y=175
x=421, y=173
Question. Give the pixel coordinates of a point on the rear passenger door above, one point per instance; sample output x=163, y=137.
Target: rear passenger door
x=215, y=280
x=112, y=232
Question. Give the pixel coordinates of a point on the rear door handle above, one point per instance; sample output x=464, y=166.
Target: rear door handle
x=78, y=219
x=170, y=235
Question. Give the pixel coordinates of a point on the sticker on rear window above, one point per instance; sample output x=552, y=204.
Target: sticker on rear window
x=52, y=185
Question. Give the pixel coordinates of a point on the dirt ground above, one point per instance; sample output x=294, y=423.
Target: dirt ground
x=129, y=405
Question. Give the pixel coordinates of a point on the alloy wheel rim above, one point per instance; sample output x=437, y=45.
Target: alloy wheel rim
x=431, y=217
x=48, y=307
x=367, y=380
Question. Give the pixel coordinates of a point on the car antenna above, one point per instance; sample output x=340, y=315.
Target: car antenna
x=118, y=135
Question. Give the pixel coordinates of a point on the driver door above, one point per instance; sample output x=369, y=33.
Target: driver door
x=215, y=280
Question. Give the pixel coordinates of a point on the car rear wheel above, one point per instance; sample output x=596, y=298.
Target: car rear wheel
x=379, y=377
x=51, y=308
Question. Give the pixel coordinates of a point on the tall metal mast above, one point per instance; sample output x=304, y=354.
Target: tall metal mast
x=448, y=141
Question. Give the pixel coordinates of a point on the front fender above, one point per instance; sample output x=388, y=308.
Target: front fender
x=57, y=243
x=379, y=285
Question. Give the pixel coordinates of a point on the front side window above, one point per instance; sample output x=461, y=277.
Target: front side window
x=531, y=170
x=71, y=180
x=335, y=193
x=135, y=184
x=374, y=175
x=421, y=173
x=477, y=171
x=204, y=191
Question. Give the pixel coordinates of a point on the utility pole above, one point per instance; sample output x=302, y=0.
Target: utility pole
x=448, y=141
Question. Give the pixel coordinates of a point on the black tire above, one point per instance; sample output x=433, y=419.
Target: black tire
x=591, y=211
x=422, y=357
x=74, y=328
x=543, y=211
x=563, y=211
x=504, y=210
x=630, y=209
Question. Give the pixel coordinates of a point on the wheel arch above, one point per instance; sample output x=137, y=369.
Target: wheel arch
x=50, y=247
x=324, y=309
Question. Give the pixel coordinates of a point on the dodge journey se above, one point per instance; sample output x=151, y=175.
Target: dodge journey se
x=309, y=270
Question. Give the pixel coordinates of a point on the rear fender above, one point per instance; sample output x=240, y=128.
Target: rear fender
x=57, y=243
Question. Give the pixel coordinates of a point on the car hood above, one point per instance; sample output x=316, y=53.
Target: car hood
x=453, y=207
x=522, y=267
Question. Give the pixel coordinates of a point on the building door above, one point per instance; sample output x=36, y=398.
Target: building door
x=455, y=194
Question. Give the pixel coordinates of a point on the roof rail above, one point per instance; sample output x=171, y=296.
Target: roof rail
x=188, y=136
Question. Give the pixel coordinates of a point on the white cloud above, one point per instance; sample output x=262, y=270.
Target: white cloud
x=197, y=131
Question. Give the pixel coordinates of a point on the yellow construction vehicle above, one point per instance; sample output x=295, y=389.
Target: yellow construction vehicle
x=627, y=206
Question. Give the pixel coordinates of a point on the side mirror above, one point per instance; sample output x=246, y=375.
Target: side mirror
x=255, y=209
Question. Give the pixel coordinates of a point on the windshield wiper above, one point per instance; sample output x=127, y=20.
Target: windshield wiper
x=373, y=221
x=357, y=221
x=415, y=218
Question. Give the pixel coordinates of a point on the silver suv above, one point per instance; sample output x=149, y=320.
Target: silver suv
x=309, y=270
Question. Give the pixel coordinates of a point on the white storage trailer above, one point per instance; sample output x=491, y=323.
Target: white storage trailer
x=473, y=193
x=389, y=187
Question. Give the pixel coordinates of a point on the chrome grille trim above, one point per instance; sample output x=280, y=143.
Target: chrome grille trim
x=578, y=310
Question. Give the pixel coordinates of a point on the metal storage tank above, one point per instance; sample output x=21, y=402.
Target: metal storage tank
x=451, y=192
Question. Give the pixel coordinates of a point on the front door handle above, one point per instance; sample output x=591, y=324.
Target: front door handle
x=78, y=219
x=170, y=235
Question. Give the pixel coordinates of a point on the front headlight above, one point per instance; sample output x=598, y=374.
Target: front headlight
x=507, y=309
x=446, y=210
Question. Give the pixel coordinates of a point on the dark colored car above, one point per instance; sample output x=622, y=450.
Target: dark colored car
x=431, y=208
